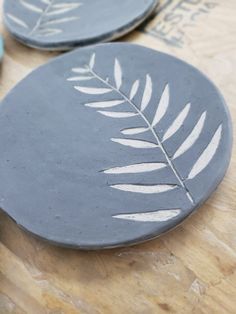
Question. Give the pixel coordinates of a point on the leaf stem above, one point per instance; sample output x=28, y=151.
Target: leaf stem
x=142, y=115
x=38, y=23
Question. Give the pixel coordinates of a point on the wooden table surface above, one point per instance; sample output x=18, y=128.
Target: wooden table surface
x=189, y=270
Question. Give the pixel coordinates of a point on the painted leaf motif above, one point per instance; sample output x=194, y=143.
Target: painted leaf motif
x=159, y=215
x=147, y=93
x=60, y=21
x=134, y=143
x=134, y=89
x=60, y=11
x=49, y=32
x=30, y=6
x=145, y=189
x=133, y=131
x=162, y=107
x=136, y=168
x=118, y=74
x=116, y=114
x=206, y=155
x=80, y=78
x=66, y=5
x=17, y=21
x=93, y=90
x=149, y=126
x=80, y=70
x=191, y=139
x=105, y=104
x=45, y=10
x=92, y=61
x=178, y=122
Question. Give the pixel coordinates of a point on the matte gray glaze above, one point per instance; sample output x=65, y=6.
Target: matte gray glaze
x=62, y=25
x=111, y=145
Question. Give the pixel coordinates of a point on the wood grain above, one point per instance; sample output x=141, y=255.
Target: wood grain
x=189, y=270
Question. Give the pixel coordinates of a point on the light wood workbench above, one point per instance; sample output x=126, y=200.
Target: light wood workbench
x=189, y=270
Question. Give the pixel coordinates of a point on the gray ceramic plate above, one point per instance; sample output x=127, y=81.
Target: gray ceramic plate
x=1, y=47
x=64, y=24
x=111, y=145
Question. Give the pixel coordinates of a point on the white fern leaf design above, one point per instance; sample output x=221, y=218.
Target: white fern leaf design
x=118, y=74
x=163, y=104
x=92, y=61
x=105, y=104
x=61, y=10
x=80, y=78
x=136, y=168
x=49, y=31
x=30, y=6
x=80, y=70
x=149, y=126
x=17, y=21
x=134, y=143
x=207, y=154
x=93, y=90
x=133, y=131
x=66, y=5
x=155, y=216
x=46, y=1
x=60, y=21
x=162, y=107
x=134, y=89
x=147, y=93
x=116, y=114
x=56, y=12
x=192, y=137
x=145, y=189
x=178, y=122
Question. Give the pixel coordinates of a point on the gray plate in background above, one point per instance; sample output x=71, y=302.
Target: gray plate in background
x=64, y=24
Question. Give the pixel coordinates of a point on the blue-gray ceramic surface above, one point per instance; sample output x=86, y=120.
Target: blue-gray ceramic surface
x=64, y=24
x=111, y=145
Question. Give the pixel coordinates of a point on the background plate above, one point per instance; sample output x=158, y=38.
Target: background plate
x=62, y=25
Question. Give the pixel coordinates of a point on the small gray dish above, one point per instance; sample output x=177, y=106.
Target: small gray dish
x=111, y=145
x=62, y=25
